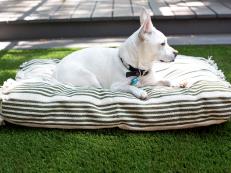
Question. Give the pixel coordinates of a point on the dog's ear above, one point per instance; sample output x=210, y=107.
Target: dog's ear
x=143, y=15
x=146, y=23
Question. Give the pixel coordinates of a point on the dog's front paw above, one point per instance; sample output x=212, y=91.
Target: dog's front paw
x=182, y=84
x=141, y=94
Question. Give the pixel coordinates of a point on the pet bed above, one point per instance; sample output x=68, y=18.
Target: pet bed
x=35, y=99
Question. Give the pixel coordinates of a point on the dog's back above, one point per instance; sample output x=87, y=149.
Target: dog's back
x=90, y=67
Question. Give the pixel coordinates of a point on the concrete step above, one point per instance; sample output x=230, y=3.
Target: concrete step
x=63, y=28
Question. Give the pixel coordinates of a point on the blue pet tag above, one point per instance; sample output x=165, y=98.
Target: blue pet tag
x=134, y=81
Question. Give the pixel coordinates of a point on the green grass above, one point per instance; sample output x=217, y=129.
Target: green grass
x=23, y=149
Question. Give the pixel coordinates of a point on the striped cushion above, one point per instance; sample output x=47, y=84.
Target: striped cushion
x=42, y=102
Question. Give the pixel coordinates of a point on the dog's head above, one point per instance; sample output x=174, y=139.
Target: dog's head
x=146, y=45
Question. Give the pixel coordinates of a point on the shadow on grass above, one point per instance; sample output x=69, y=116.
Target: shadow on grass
x=213, y=131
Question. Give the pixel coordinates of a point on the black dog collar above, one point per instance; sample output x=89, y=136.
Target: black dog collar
x=134, y=71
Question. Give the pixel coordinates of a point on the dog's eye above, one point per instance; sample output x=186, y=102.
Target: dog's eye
x=162, y=44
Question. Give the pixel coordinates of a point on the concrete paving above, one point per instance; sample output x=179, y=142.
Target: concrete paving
x=113, y=42
x=54, y=19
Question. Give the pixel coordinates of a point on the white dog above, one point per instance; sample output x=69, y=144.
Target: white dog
x=120, y=69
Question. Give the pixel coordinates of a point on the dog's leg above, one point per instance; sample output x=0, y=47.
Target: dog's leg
x=163, y=83
x=157, y=83
x=79, y=77
x=169, y=84
x=137, y=92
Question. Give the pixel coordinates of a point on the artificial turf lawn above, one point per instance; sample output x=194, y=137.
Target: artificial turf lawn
x=25, y=149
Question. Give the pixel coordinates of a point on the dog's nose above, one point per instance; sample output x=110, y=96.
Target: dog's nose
x=175, y=53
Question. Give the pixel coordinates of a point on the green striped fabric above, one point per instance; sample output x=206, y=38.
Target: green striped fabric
x=48, y=104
